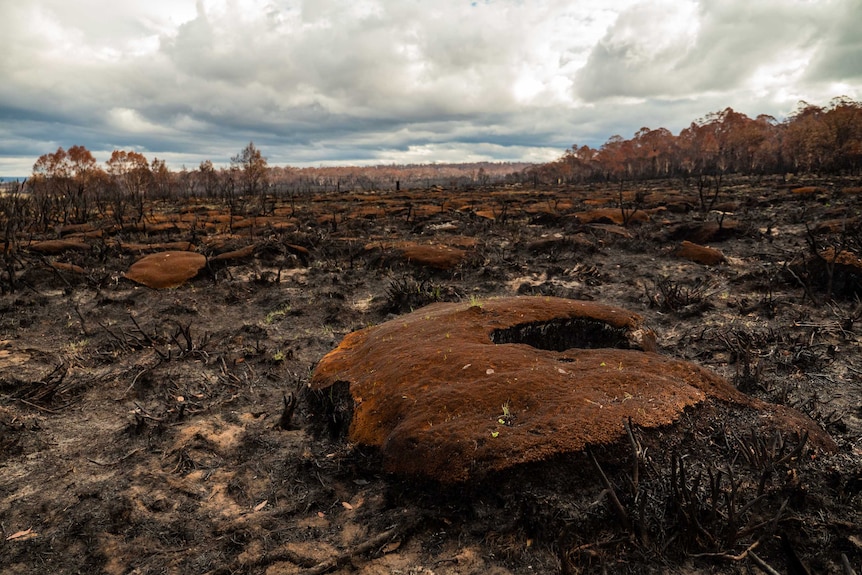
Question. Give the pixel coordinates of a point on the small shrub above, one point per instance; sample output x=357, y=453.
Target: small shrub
x=670, y=295
x=406, y=294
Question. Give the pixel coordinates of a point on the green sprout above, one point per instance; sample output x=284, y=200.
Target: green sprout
x=277, y=314
x=507, y=418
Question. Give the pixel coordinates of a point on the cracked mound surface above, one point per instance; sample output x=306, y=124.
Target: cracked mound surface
x=453, y=390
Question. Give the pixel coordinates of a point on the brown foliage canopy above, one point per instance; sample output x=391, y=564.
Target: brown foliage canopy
x=812, y=139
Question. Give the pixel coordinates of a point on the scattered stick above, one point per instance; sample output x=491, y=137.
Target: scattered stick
x=589, y=548
x=805, y=287
x=339, y=560
x=39, y=407
x=330, y=564
x=287, y=414
x=120, y=460
x=795, y=564
x=135, y=380
x=141, y=412
x=728, y=557
x=845, y=564
x=81, y=317
x=49, y=386
x=762, y=564
x=637, y=452
x=149, y=339
x=121, y=340
x=621, y=511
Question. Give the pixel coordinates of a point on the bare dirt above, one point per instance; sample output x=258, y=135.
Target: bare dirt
x=150, y=431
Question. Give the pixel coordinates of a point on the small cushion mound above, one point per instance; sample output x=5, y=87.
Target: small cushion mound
x=166, y=269
x=700, y=254
x=59, y=246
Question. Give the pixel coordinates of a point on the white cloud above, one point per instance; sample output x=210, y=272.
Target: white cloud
x=365, y=79
x=642, y=53
x=732, y=47
x=131, y=121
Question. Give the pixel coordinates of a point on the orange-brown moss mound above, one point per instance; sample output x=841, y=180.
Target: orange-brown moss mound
x=166, y=269
x=437, y=256
x=700, y=254
x=59, y=246
x=612, y=215
x=157, y=247
x=454, y=390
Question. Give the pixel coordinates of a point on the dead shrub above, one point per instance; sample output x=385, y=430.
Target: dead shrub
x=670, y=295
x=407, y=294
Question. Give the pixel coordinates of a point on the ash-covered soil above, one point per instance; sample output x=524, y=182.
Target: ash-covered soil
x=146, y=431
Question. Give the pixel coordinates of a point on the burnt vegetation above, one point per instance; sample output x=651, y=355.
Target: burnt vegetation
x=563, y=334
x=146, y=431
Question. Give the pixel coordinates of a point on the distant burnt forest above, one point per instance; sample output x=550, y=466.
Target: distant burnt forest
x=70, y=186
x=812, y=140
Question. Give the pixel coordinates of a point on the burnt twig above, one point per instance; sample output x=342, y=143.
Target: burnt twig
x=727, y=556
x=845, y=564
x=149, y=340
x=762, y=564
x=287, y=414
x=637, y=453
x=331, y=564
x=120, y=460
x=618, y=507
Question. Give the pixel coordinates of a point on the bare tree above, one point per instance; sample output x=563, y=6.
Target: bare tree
x=131, y=176
x=253, y=172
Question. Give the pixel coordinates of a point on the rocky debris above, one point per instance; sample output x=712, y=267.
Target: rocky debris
x=835, y=225
x=560, y=243
x=69, y=229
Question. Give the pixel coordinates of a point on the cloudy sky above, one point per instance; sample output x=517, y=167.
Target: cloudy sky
x=322, y=82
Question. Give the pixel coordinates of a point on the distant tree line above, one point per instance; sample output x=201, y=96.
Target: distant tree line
x=814, y=139
x=70, y=186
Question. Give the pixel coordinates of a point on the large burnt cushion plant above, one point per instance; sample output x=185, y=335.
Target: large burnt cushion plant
x=452, y=391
